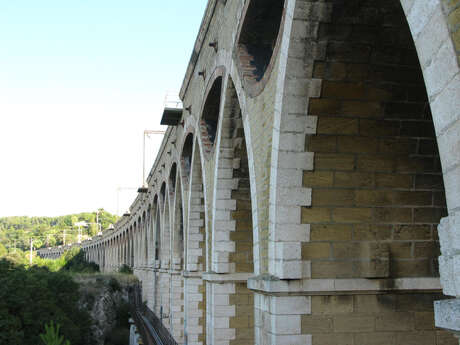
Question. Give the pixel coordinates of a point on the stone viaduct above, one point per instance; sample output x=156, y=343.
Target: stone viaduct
x=301, y=194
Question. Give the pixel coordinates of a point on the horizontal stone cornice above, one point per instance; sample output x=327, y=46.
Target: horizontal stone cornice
x=343, y=286
x=226, y=277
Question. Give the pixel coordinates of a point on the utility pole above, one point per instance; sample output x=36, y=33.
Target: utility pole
x=97, y=219
x=99, y=226
x=31, y=247
x=64, y=238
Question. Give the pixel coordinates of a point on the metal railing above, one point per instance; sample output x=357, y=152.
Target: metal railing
x=162, y=331
x=150, y=327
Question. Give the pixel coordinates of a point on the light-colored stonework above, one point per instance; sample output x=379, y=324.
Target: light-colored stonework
x=311, y=215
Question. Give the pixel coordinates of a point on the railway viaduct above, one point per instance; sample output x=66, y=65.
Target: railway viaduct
x=301, y=194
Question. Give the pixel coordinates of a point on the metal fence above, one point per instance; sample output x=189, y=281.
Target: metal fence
x=150, y=327
x=162, y=331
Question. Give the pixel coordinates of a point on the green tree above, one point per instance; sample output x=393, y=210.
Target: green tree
x=31, y=297
x=48, y=231
x=51, y=335
x=3, y=250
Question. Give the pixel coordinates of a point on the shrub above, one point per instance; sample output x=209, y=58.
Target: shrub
x=114, y=285
x=51, y=335
x=75, y=261
x=31, y=297
x=125, y=269
x=118, y=337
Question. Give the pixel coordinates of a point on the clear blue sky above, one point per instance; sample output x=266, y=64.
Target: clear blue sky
x=79, y=82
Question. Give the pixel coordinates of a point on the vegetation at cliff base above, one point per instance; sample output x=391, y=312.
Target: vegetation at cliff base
x=51, y=335
x=31, y=297
x=125, y=269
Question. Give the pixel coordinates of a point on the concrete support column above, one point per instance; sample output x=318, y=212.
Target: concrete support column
x=164, y=311
x=299, y=49
x=127, y=250
x=111, y=257
x=177, y=306
x=136, y=248
x=156, y=292
x=194, y=309
x=122, y=253
x=278, y=319
x=117, y=260
x=219, y=313
x=194, y=252
x=131, y=251
x=149, y=288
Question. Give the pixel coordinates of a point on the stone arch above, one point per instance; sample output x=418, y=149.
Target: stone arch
x=166, y=259
x=433, y=26
x=229, y=174
x=210, y=111
x=124, y=247
x=378, y=102
x=177, y=252
x=196, y=239
x=131, y=244
x=166, y=228
x=357, y=186
x=157, y=246
x=137, y=232
x=150, y=234
x=178, y=233
x=145, y=237
x=185, y=170
x=120, y=249
x=172, y=177
x=117, y=252
x=186, y=158
x=157, y=227
x=140, y=233
x=176, y=218
x=233, y=232
x=110, y=258
x=258, y=42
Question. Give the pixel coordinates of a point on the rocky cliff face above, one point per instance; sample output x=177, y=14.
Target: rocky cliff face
x=106, y=297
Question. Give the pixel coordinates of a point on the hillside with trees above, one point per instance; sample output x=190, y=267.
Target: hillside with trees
x=16, y=232
x=87, y=307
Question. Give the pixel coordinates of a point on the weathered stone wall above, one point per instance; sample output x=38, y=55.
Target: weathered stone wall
x=378, y=193
x=374, y=319
x=311, y=216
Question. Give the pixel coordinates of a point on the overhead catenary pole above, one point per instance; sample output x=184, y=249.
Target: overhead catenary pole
x=64, y=238
x=79, y=233
x=99, y=226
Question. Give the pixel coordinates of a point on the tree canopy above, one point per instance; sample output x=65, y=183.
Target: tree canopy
x=31, y=297
x=16, y=232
